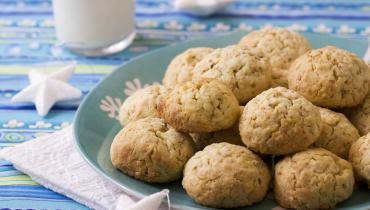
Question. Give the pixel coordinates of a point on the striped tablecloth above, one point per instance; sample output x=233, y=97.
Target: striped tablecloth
x=27, y=40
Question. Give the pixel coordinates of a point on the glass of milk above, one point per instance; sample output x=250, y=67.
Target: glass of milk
x=95, y=27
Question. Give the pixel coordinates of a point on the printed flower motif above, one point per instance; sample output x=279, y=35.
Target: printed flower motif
x=134, y=85
x=297, y=27
x=27, y=23
x=5, y=22
x=39, y=134
x=263, y=7
x=345, y=29
x=62, y=125
x=34, y=45
x=148, y=24
x=173, y=25
x=13, y=124
x=15, y=50
x=306, y=8
x=56, y=51
x=322, y=28
x=14, y=137
x=245, y=27
x=196, y=27
x=40, y=124
x=220, y=27
x=47, y=23
x=366, y=31
x=276, y=7
x=366, y=8
x=111, y=106
x=139, y=48
x=331, y=8
x=8, y=95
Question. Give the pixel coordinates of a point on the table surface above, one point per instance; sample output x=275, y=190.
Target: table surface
x=27, y=40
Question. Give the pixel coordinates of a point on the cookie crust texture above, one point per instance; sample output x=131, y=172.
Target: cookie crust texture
x=359, y=156
x=203, y=106
x=330, y=77
x=180, y=69
x=280, y=46
x=312, y=179
x=150, y=150
x=279, y=121
x=141, y=104
x=337, y=134
x=243, y=71
x=226, y=176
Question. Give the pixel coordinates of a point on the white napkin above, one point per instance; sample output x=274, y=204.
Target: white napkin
x=201, y=7
x=54, y=162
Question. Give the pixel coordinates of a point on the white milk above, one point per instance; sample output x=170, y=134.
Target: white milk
x=95, y=27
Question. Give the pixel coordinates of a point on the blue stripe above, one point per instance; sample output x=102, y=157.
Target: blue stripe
x=268, y=17
x=32, y=107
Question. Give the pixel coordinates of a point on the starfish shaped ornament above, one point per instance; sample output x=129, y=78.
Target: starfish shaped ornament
x=46, y=89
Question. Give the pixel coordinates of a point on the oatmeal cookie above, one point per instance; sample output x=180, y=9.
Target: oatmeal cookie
x=206, y=105
x=226, y=176
x=312, y=179
x=338, y=133
x=280, y=46
x=279, y=121
x=239, y=68
x=330, y=77
x=359, y=156
x=150, y=150
x=141, y=104
x=360, y=116
x=180, y=69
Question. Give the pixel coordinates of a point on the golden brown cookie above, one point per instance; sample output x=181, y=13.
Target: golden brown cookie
x=338, y=134
x=203, y=106
x=230, y=135
x=239, y=68
x=312, y=179
x=280, y=46
x=279, y=121
x=330, y=77
x=359, y=156
x=141, y=104
x=180, y=69
x=360, y=116
x=226, y=176
x=150, y=150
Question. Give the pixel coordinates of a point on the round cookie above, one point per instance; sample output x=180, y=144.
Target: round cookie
x=230, y=135
x=226, y=176
x=180, y=69
x=330, y=77
x=360, y=116
x=239, y=68
x=337, y=134
x=280, y=46
x=141, y=104
x=312, y=179
x=203, y=106
x=150, y=150
x=279, y=121
x=359, y=156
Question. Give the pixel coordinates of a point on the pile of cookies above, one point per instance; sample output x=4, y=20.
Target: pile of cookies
x=221, y=113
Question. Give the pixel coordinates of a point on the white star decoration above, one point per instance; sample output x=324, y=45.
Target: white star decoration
x=46, y=89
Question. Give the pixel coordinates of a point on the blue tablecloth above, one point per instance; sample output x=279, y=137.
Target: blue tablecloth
x=27, y=40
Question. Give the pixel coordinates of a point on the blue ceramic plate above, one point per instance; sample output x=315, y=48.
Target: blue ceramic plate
x=96, y=120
